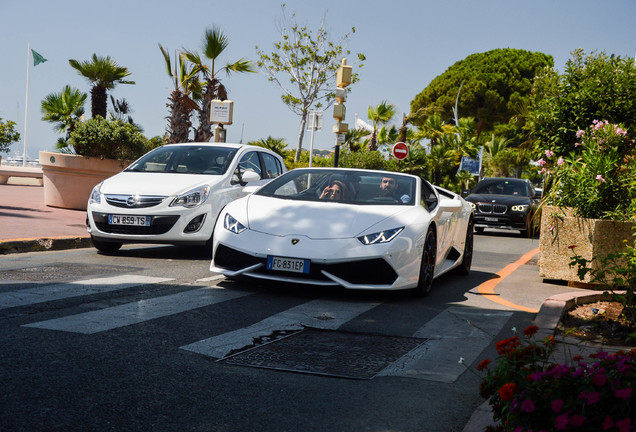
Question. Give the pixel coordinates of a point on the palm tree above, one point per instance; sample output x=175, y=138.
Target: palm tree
x=121, y=111
x=103, y=74
x=64, y=109
x=434, y=128
x=214, y=43
x=379, y=115
x=187, y=88
x=277, y=145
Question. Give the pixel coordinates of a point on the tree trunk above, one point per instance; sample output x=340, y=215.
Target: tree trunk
x=98, y=101
x=301, y=135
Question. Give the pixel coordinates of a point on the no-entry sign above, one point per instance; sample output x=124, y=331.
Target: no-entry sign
x=400, y=151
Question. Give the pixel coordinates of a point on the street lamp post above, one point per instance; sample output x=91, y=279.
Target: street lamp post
x=343, y=79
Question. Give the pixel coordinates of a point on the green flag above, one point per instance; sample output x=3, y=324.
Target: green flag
x=37, y=58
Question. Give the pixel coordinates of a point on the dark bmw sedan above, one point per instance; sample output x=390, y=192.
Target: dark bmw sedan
x=507, y=203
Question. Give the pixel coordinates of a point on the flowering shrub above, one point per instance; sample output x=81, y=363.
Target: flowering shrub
x=598, y=179
x=530, y=393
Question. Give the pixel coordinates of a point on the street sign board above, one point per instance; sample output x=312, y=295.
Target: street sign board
x=400, y=151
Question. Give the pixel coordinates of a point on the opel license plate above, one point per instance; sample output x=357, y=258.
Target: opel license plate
x=294, y=265
x=129, y=220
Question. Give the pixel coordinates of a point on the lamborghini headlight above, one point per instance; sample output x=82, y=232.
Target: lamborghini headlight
x=231, y=224
x=192, y=198
x=520, y=208
x=380, y=237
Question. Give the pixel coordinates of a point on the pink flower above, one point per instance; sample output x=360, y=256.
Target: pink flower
x=541, y=162
x=561, y=422
x=577, y=420
x=557, y=405
x=608, y=423
x=624, y=425
x=599, y=379
x=561, y=161
x=577, y=144
x=580, y=133
x=600, y=178
x=527, y=406
x=625, y=393
x=590, y=397
x=549, y=153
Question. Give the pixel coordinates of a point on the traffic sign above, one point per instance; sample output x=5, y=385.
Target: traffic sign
x=400, y=151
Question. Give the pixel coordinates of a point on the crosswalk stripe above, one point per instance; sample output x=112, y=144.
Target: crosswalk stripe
x=138, y=312
x=45, y=293
x=455, y=333
x=324, y=314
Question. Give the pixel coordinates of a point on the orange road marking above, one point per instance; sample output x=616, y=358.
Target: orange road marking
x=488, y=288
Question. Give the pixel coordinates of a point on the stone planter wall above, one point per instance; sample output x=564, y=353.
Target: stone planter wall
x=593, y=238
x=69, y=179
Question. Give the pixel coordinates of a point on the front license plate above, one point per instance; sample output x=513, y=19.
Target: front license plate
x=294, y=265
x=129, y=220
x=491, y=219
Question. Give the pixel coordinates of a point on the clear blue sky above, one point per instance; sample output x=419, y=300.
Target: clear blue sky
x=407, y=44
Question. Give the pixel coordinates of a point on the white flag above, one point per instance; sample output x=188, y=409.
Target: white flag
x=361, y=124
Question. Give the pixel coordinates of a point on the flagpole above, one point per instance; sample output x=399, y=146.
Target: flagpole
x=26, y=107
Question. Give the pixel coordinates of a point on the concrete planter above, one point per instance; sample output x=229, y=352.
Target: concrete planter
x=69, y=179
x=593, y=239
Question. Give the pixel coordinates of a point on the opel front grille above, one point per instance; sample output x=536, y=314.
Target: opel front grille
x=134, y=201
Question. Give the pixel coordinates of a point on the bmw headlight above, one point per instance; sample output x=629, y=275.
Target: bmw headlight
x=520, y=208
x=380, y=237
x=192, y=198
x=96, y=195
x=231, y=224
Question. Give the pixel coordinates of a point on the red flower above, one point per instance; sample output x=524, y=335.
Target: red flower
x=529, y=331
x=571, y=247
x=483, y=364
x=507, y=391
x=506, y=346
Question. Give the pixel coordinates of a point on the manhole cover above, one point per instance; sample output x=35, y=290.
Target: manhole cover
x=328, y=352
x=58, y=271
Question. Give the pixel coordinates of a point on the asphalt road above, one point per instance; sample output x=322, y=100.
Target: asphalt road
x=136, y=342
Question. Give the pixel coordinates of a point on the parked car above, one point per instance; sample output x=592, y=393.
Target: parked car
x=507, y=203
x=358, y=229
x=174, y=193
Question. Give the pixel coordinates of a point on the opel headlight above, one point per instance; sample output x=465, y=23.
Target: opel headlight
x=520, y=208
x=96, y=195
x=192, y=198
x=380, y=237
x=231, y=224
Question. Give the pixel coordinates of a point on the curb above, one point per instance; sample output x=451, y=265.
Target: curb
x=43, y=244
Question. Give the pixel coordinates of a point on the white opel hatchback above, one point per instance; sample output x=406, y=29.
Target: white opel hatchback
x=174, y=193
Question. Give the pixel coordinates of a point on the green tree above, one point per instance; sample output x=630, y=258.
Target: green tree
x=379, y=115
x=181, y=103
x=103, y=74
x=215, y=42
x=8, y=134
x=64, y=109
x=594, y=87
x=107, y=139
x=303, y=65
x=494, y=82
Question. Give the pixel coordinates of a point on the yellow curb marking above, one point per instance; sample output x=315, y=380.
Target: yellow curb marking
x=488, y=287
